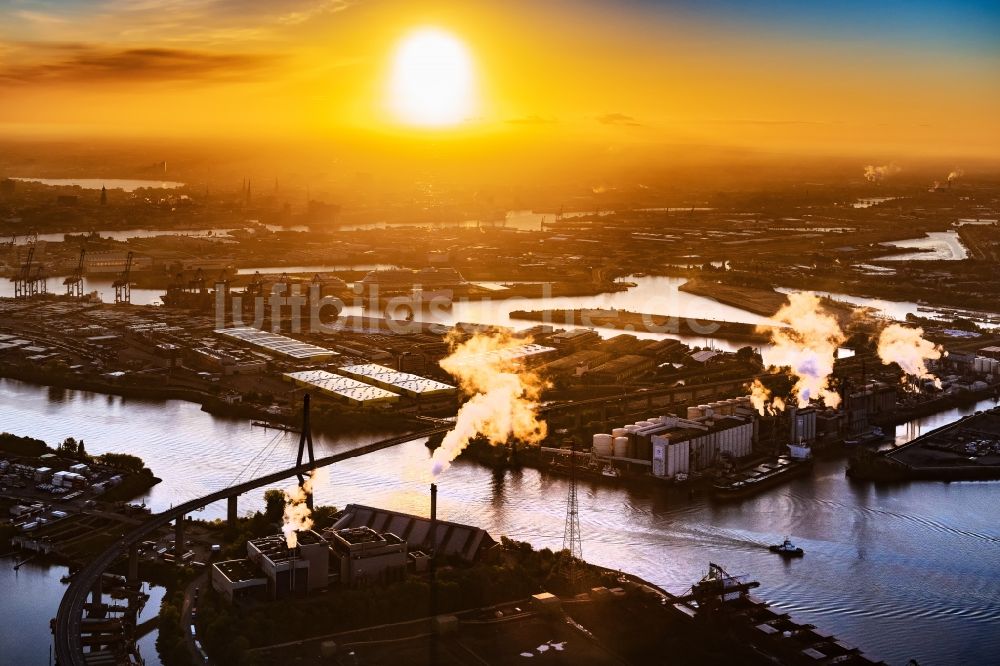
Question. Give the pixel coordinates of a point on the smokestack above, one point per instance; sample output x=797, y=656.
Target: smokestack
x=434, y=501
x=432, y=566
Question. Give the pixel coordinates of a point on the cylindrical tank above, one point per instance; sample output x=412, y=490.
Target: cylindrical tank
x=629, y=429
x=620, y=446
x=619, y=432
x=644, y=424
x=694, y=413
x=603, y=444
x=706, y=410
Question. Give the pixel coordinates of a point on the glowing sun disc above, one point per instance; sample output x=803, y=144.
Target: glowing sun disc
x=432, y=79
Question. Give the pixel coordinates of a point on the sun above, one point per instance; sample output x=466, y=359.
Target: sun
x=432, y=81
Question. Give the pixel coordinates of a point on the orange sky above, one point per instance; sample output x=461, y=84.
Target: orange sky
x=604, y=72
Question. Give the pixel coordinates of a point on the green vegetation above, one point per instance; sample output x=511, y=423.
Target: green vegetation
x=171, y=644
x=122, y=461
x=131, y=486
x=22, y=446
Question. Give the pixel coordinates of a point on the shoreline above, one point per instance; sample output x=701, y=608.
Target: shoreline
x=210, y=403
x=625, y=320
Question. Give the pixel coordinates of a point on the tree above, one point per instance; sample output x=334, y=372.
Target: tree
x=69, y=445
x=80, y=448
x=122, y=461
x=274, y=501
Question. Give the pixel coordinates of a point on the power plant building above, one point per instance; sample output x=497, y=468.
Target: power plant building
x=451, y=539
x=367, y=556
x=304, y=568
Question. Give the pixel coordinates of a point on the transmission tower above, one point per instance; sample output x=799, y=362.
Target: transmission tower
x=571, y=534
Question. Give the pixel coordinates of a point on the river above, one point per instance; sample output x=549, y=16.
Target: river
x=30, y=597
x=907, y=571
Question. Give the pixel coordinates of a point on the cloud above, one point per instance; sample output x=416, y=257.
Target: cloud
x=618, y=119
x=190, y=22
x=84, y=63
x=532, y=120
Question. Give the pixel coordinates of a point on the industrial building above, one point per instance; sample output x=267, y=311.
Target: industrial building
x=671, y=447
x=870, y=400
x=367, y=556
x=114, y=261
x=223, y=362
x=276, y=345
x=575, y=339
x=576, y=364
x=304, y=568
x=453, y=539
x=508, y=354
x=384, y=377
x=342, y=388
x=365, y=545
x=238, y=579
x=272, y=570
x=621, y=369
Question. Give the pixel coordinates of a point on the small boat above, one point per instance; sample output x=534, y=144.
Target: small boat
x=271, y=425
x=610, y=471
x=874, y=436
x=786, y=549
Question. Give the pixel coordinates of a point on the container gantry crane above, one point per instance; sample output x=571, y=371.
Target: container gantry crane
x=122, y=285
x=74, y=282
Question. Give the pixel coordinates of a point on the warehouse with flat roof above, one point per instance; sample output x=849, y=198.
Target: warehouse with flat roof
x=342, y=388
x=414, y=386
x=276, y=345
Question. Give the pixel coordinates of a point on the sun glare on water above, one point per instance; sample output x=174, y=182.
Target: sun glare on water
x=432, y=79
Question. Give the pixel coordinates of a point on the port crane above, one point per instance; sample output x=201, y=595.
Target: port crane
x=122, y=285
x=26, y=283
x=253, y=289
x=197, y=284
x=74, y=282
x=222, y=282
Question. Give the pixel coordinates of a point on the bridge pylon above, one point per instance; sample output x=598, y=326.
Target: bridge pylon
x=306, y=444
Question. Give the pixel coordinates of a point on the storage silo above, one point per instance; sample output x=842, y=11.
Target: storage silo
x=603, y=445
x=620, y=447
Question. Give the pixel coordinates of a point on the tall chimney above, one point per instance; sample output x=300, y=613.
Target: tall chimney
x=432, y=566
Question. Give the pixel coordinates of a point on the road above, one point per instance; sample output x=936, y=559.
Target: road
x=187, y=621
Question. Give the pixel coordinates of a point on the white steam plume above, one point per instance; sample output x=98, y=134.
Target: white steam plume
x=876, y=174
x=503, y=402
x=908, y=348
x=762, y=401
x=807, y=345
x=957, y=173
x=297, y=514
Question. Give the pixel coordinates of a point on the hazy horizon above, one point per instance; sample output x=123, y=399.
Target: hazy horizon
x=641, y=77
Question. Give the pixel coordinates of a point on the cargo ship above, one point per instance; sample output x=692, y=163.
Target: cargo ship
x=722, y=605
x=749, y=481
x=396, y=281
